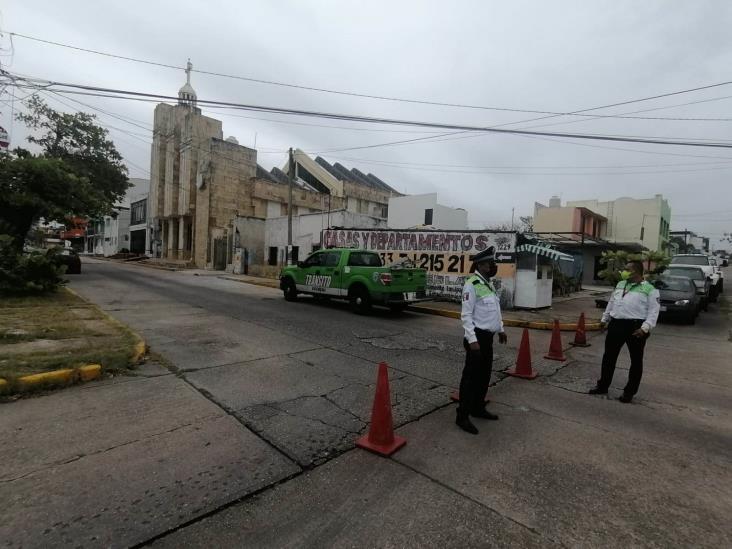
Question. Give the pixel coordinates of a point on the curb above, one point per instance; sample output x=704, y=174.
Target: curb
x=54, y=378
x=532, y=325
x=69, y=376
x=274, y=284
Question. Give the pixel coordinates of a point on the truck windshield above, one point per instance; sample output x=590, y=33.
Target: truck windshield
x=690, y=260
x=364, y=259
x=694, y=274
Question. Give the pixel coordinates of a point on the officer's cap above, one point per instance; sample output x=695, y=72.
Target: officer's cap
x=486, y=255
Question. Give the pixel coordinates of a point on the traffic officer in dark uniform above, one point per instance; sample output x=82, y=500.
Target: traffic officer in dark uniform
x=481, y=318
x=630, y=316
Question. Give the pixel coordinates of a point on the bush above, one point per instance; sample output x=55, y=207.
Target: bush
x=28, y=273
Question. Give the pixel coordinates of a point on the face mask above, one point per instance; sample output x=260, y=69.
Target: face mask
x=492, y=271
x=625, y=275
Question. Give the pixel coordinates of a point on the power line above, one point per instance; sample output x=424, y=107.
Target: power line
x=125, y=94
x=393, y=99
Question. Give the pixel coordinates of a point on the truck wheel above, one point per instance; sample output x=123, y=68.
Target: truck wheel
x=360, y=300
x=713, y=294
x=289, y=290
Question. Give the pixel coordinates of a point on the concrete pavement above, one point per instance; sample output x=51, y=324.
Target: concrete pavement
x=249, y=444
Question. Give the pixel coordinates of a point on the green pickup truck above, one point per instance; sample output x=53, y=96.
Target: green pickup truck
x=356, y=275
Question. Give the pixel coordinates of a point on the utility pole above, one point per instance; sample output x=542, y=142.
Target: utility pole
x=512, y=210
x=289, y=207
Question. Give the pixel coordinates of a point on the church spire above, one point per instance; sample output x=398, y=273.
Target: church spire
x=187, y=95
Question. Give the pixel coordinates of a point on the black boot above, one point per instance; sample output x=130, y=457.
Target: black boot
x=626, y=398
x=484, y=414
x=466, y=425
x=597, y=390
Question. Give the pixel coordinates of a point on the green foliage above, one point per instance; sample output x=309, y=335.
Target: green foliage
x=79, y=171
x=615, y=261
x=29, y=273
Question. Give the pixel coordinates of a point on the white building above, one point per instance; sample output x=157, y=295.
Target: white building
x=422, y=210
x=111, y=234
x=260, y=245
x=629, y=220
x=140, y=241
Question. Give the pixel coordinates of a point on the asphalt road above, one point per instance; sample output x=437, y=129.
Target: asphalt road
x=240, y=429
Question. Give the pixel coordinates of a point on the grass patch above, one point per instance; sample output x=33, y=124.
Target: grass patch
x=59, y=330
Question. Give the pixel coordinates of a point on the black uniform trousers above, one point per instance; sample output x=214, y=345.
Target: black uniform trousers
x=619, y=333
x=476, y=374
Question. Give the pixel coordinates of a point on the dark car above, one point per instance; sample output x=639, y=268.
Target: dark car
x=702, y=282
x=679, y=298
x=69, y=257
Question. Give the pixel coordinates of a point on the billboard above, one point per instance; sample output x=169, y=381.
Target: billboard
x=444, y=254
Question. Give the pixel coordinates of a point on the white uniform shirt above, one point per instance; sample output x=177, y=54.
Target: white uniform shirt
x=640, y=301
x=483, y=313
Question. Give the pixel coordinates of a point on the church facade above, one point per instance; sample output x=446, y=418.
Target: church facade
x=201, y=183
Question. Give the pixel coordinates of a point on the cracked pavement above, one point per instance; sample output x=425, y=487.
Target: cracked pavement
x=242, y=434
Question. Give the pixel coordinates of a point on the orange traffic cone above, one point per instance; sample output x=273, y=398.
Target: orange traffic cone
x=580, y=338
x=555, y=347
x=455, y=397
x=523, y=360
x=381, y=438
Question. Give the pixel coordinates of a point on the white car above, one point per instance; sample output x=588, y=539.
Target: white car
x=716, y=263
x=705, y=262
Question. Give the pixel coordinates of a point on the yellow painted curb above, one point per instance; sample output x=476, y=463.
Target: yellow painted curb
x=46, y=379
x=90, y=372
x=139, y=352
x=54, y=378
x=565, y=327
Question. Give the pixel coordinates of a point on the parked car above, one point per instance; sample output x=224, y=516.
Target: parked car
x=356, y=275
x=703, y=261
x=679, y=297
x=720, y=273
x=702, y=282
x=71, y=259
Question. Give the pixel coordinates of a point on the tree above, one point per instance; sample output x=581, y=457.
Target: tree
x=615, y=261
x=79, y=172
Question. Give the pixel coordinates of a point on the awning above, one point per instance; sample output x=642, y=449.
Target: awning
x=546, y=252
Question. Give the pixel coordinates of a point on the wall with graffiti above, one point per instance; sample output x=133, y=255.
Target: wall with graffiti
x=444, y=254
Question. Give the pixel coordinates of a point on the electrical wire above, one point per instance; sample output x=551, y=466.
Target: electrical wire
x=383, y=97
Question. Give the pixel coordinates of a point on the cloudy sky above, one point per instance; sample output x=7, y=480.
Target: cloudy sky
x=558, y=56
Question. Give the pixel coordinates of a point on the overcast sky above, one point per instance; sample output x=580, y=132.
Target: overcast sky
x=556, y=56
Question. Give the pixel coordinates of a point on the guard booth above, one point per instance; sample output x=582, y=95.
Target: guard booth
x=535, y=275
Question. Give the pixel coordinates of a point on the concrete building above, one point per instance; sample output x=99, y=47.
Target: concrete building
x=260, y=245
x=200, y=183
x=422, y=210
x=556, y=218
x=112, y=233
x=629, y=220
x=140, y=228
x=689, y=242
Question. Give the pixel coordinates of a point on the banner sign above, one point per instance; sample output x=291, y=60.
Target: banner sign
x=444, y=254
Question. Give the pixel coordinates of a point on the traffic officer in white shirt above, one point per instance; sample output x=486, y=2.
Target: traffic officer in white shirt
x=481, y=317
x=630, y=316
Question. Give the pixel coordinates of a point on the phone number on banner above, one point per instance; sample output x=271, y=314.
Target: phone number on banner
x=434, y=263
